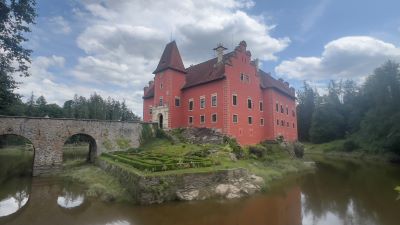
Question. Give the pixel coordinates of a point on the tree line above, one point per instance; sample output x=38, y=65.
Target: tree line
x=367, y=114
x=94, y=107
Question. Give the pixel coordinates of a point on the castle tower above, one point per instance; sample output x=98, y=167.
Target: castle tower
x=168, y=81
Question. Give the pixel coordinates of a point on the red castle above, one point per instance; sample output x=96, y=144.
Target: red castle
x=228, y=93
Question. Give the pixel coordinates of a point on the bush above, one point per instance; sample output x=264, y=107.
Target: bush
x=298, y=149
x=349, y=146
x=236, y=148
x=258, y=150
x=146, y=134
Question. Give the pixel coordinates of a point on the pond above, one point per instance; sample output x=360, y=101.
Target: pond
x=339, y=192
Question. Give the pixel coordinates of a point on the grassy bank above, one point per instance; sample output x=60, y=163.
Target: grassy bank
x=15, y=161
x=340, y=149
x=275, y=163
x=99, y=184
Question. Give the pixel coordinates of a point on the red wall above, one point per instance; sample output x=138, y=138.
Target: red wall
x=195, y=93
x=244, y=132
x=147, y=103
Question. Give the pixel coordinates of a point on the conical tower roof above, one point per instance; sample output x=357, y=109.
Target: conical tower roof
x=170, y=59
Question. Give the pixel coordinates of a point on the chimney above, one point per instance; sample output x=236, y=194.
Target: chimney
x=257, y=64
x=219, y=50
x=145, y=89
x=150, y=83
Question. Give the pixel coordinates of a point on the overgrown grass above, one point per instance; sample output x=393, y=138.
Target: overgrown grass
x=340, y=149
x=99, y=183
x=15, y=161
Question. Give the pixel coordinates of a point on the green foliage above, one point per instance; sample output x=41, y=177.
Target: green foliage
x=147, y=134
x=306, y=99
x=236, y=148
x=107, y=144
x=258, y=150
x=350, y=145
x=123, y=143
x=155, y=162
x=298, y=149
x=15, y=161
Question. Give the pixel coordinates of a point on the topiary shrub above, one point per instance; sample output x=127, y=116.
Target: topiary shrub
x=349, y=145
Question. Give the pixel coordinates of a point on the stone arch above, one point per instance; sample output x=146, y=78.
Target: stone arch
x=33, y=146
x=92, y=145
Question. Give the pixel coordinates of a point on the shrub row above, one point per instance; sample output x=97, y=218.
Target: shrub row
x=149, y=162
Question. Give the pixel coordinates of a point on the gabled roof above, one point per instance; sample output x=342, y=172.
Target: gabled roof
x=267, y=81
x=206, y=72
x=170, y=59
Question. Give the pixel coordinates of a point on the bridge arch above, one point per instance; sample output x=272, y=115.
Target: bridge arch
x=19, y=156
x=92, y=153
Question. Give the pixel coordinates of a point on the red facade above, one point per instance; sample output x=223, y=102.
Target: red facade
x=228, y=93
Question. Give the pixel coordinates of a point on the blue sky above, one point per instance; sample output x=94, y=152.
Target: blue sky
x=111, y=47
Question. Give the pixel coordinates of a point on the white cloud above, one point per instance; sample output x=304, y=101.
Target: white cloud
x=352, y=57
x=60, y=25
x=123, y=40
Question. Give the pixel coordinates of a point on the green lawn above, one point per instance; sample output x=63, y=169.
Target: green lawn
x=15, y=161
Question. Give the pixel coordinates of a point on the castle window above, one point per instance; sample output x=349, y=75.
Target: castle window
x=177, y=101
x=214, y=118
x=202, y=119
x=161, y=85
x=277, y=107
x=235, y=118
x=261, y=106
x=234, y=100
x=202, y=102
x=287, y=124
x=262, y=122
x=249, y=103
x=281, y=108
x=244, y=78
x=151, y=110
x=293, y=113
x=250, y=120
x=282, y=123
x=161, y=103
x=190, y=119
x=277, y=122
x=214, y=100
x=191, y=103
x=287, y=110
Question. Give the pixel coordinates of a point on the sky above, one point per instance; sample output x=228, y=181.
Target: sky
x=111, y=47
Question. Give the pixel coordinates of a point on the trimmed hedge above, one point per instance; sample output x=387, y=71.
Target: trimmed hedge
x=153, y=162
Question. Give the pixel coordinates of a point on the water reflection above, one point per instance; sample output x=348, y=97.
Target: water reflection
x=13, y=203
x=337, y=193
x=70, y=200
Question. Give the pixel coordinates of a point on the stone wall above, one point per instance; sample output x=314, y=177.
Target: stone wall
x=49, y=135
x=229, y=183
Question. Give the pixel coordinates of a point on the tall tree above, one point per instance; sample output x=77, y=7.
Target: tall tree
x=15, y=18
x=307, y=98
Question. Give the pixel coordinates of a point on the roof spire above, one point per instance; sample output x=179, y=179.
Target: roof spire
x=170, y=59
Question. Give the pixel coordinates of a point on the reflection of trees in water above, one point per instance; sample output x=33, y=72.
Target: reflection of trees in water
x=357, y=194
x=21, y=198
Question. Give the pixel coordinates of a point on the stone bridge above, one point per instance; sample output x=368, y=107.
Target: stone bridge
x=48, y=136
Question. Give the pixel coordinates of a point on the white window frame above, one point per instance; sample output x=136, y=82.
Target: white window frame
x=251, y=103
x=191, y=100
x=236, y=99
x=251, y=118
x=161, y=100
x=237, y=118
x=179, y=99
x=204, y=105
x=216, y=100
x=204, y=116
